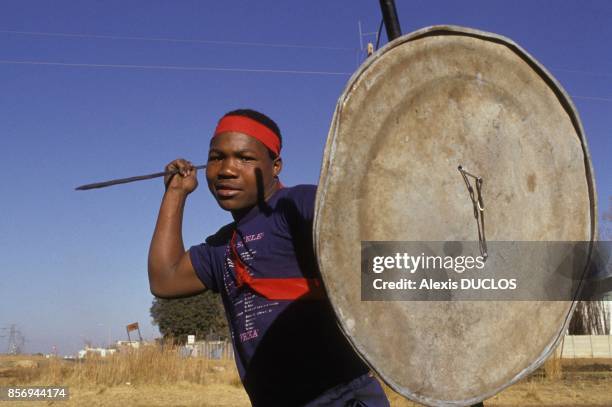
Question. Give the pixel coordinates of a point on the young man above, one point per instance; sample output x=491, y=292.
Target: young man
x=289, y=350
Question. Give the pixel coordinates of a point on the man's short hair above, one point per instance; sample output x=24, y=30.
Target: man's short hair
x=260, y=118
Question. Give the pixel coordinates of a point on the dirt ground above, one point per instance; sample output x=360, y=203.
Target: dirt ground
x=582, y=383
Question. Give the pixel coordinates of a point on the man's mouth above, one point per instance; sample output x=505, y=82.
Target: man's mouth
x=226, y=191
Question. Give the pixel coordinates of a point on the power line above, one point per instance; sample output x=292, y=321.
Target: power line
x=174, y=67
x=219, y=42
x=582, y=72
x=592, y=98
x=175, y=40
x=215, y=69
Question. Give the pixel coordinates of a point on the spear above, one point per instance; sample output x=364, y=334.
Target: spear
x=131, y=179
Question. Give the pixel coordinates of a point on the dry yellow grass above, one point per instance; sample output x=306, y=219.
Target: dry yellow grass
x=151, y=376
x=538, y=391
x=178, y=394
x=151, y=365
x=160, y=377
x=552, y=367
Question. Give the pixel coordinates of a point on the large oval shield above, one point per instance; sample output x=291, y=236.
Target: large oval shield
x=417, y=109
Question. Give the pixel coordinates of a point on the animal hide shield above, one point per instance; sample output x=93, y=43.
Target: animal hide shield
x=418, y=108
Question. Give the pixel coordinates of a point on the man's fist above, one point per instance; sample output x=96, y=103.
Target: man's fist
x=183, y=181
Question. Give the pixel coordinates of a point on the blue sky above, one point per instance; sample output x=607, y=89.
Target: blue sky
x=73, y=264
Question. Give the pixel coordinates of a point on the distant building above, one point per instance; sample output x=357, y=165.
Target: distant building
x=128, y=344
x=102, y=352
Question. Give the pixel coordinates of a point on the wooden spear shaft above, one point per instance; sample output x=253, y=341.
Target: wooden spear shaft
x=131, y=179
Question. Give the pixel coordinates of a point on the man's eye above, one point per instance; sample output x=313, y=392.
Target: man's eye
x=246, y=158
x=214, y=157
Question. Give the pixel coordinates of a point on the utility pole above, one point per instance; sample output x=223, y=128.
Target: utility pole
x=16, y=340
x=370, y=46
x=391, y=22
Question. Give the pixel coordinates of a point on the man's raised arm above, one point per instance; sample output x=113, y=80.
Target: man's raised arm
x=171, y=273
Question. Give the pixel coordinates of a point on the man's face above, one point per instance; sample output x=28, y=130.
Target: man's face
x=240, y=171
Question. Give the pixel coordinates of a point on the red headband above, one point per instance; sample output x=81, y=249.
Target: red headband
x=250, y=127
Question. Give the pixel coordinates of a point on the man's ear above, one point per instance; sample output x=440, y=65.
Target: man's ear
x=277, y=166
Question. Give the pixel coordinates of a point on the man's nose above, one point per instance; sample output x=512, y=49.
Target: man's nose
x=228, y=168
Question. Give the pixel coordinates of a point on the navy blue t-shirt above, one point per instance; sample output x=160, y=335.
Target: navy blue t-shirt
x=287, y=351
